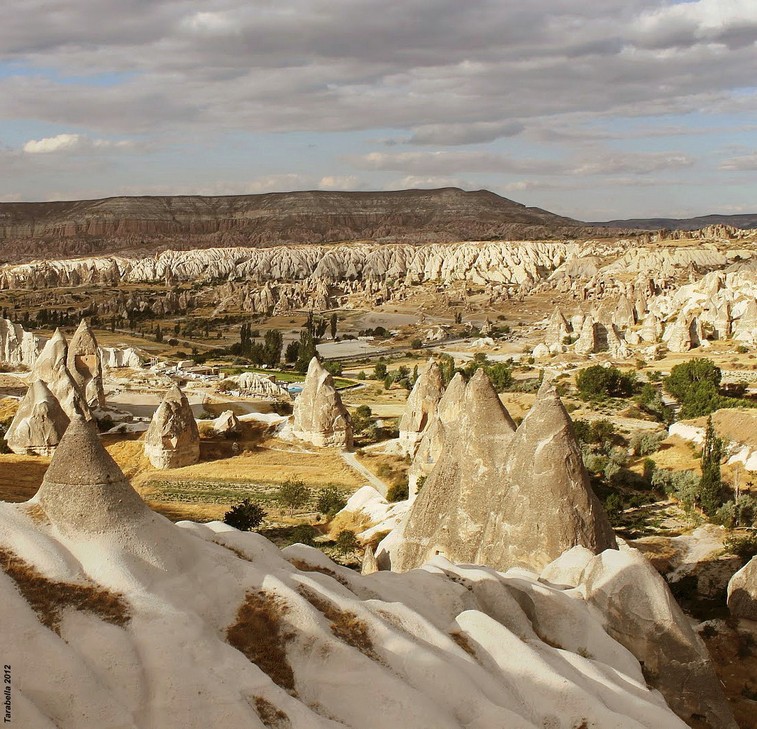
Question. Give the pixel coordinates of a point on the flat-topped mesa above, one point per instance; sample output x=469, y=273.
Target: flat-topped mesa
x=17, y=346
x=85, y=365
x=173, y=440
x=448, y=412
x=39, y=423
x=84, y=490
x=51, y=367
x=545, y=505
x=421, y=405
x=319, y=416
x=451, y=510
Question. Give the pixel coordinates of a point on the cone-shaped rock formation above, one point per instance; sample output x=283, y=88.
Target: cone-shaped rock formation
x=545, y=505
x=430, y=448
x=452, y=509
x=84, y=490
x=173, y=440
x=85, y=365
x=420, y=409
x=39, y=423
x=51, y=367
x=319, y=416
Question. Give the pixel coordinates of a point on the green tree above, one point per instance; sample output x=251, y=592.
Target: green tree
x=711, y=484
x=273, y=343
x=330, y=500
x=245, y=516
x=379, y=371
x=334, y=322
x=306, y=351
x=597, y=382
x=695, y=385
x=292, y=352
x=293, y=494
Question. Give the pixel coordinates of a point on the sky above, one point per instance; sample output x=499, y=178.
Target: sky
x=596, y=109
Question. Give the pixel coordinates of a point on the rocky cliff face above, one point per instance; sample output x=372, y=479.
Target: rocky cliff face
x=70, y=228
x=421, y=405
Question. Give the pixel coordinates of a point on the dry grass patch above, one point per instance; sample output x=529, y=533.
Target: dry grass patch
x=464, y=642
x=8, y=409
x=261, y=635
x=21, y=476
x=307, y=567
x=390, y=469
x=354, y=521
x=48, y=598
x=345, y=625
x=270, y=715
x=268, y=466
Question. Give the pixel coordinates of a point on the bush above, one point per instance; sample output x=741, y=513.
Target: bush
x=695, y=385
x=644, y=444
x=245, y=516
x=303, y=534
x=346, y=541
x=597, y=382
x=743, y=546
x=416, y=344
x=330, y=501
x=398, y=492
x=293, y=494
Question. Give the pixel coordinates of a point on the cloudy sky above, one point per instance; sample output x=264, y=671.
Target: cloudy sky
x=595, y=109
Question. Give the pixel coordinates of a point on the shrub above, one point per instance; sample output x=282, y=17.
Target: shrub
x=330, y=500
x=398, y=492
x=644, y=444
x=245, y=516
x=416, y=344
x=597, y=382
x=346, y=541
x=303, y=534
x=743, y=546
x=293, y=494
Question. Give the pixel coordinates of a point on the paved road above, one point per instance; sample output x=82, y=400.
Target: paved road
x=351, y=460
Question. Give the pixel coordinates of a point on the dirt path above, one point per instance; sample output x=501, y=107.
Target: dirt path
x=351, y=460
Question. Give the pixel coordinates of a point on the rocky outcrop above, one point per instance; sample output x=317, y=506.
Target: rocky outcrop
x=253, y=384
x=51, y=368
x=319, y=416
x=369, y=564
x=227, y=423
x=558, y=331
x=742, y=592
x=85, y=365
x=640, y=612
x=39, y=423
x=449, y=515
x=115, y=358
x=84, y=490
x=448, y=412
x=421, y=405
x=18, y=347
x=544, y=505
x=587, y=339
x=173, y=440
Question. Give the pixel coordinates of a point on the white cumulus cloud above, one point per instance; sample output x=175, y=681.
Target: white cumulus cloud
x=58, y=143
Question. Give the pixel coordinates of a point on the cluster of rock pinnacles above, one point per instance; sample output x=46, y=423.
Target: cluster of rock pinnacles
x=85, y=492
